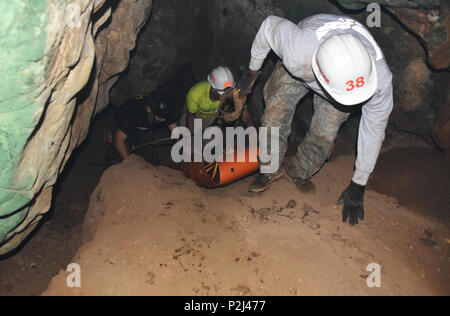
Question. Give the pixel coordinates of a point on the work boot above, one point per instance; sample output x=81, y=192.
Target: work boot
x=304, y=185
x=262, y=182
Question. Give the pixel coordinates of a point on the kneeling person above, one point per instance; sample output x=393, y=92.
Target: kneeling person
x=203, y=99
x=137, y=119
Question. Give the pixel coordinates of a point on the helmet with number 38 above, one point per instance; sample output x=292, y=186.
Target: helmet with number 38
x=345, y=69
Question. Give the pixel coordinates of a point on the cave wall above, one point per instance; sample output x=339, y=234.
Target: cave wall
x=204, y=33
x=429, y=20
x=413, y=35
x=59, y=59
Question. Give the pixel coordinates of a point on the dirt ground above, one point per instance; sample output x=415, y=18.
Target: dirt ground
x=150, y=231
x=417, y=177
x=161, y=234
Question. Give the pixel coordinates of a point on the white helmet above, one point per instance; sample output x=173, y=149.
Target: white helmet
x=345, y=69
x=221, y=78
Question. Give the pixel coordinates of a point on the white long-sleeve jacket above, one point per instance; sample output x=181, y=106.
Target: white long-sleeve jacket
x=296, y=44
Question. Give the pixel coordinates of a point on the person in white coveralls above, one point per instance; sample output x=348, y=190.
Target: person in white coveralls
x=338, y=59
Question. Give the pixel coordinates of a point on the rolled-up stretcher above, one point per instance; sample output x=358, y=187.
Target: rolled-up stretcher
x=216, y=174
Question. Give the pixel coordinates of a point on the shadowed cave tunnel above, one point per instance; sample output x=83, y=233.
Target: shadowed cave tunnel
x=176, y=47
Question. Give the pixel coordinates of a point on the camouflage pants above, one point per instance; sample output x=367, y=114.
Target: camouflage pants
x=282, y=94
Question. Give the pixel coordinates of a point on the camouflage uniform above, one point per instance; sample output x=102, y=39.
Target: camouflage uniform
x=282, y=94
x=296, y=45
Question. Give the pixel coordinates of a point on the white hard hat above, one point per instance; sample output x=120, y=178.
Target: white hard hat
x=221, y=78
x=345, y=69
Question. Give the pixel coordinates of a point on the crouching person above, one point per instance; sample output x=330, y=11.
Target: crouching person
x=137, y=120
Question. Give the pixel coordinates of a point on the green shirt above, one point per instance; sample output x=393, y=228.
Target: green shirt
x=198, y=101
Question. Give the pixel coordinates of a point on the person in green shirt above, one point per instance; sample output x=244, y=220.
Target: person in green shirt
x=203, y=99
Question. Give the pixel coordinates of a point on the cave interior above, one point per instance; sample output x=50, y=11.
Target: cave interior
x=178, y=46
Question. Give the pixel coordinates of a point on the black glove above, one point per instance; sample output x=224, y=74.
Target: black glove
x=246, y=82
x=353, y=199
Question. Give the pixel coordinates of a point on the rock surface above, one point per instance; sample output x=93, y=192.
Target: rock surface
x=205, y=34
x=429, y=19
x=78, y=50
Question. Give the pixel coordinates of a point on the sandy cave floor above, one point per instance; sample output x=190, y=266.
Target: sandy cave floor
x=150, y=231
